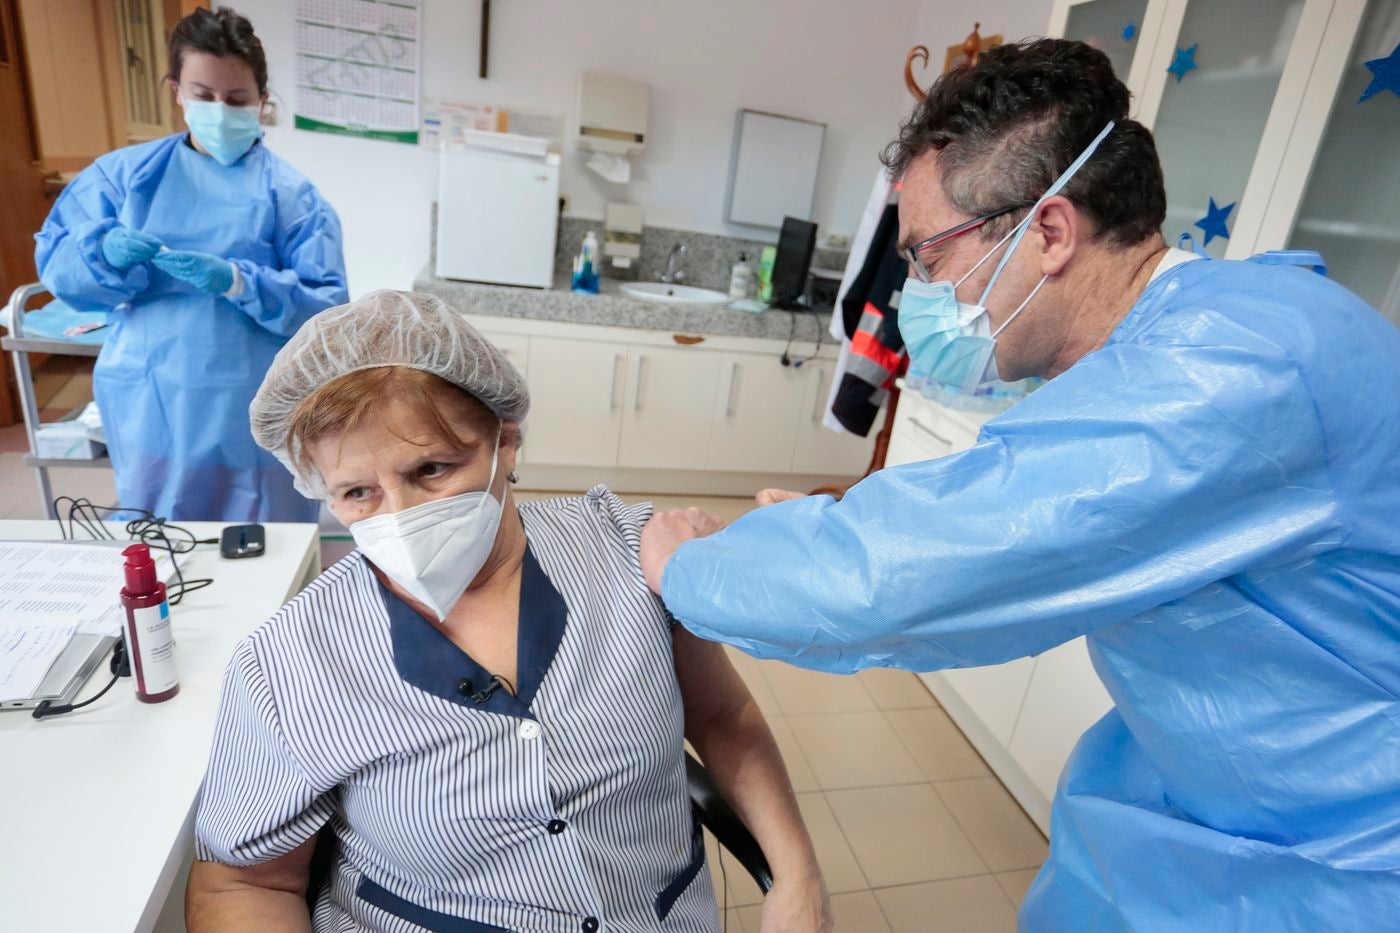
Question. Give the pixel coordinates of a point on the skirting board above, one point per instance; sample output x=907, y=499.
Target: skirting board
x=549, y=478
x=1035, y=803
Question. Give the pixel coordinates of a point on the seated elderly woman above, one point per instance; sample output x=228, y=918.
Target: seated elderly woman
x=484, y=703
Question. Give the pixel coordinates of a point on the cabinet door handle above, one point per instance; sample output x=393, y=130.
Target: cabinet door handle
x=618, y=359
x=637, y=399
x=733, y=384
x=930, y=432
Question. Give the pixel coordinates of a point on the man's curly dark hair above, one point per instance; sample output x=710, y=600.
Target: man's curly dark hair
x=1008, y=127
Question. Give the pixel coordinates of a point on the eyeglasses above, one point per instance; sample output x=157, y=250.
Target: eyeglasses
x=911, y=253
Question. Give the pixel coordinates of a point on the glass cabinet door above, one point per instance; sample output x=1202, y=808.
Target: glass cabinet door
x=1114, y=27
x=1350, y=211
x=1221, y=81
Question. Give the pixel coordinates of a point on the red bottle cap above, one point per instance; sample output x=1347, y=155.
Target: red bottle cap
x=140, y=570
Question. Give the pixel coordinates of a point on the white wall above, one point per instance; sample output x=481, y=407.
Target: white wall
x=833, y=61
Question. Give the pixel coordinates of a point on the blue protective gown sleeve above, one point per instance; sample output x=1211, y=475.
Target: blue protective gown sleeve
x=1138, y=476
x=311, y=279
x=68, y=248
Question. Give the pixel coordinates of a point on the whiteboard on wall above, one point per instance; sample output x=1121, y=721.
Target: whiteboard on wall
x=773, y=168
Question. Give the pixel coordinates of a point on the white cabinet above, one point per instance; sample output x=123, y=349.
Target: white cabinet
x=576, y=389
x=1240, y=122
x=1338, y=191
x=819, y=449
x=754, y=424
x=670, y=403
x=1064, y=698
x=995, y=693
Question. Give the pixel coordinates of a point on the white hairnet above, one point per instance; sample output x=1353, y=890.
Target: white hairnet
x=383, y=328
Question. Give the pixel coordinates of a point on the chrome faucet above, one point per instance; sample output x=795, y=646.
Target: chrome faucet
x=674, y=274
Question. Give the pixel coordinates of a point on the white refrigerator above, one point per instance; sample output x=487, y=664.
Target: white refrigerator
x=498, y=211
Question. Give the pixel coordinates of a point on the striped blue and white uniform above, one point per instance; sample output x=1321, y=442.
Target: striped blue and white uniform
x=558, y=810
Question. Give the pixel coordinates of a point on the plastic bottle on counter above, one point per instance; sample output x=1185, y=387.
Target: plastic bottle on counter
x=741, y=278
x=586, y=265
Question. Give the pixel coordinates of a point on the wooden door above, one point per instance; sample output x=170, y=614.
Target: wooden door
x=23, y=205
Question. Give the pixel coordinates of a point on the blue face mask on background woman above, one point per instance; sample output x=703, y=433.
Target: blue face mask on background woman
x=952, y=342
x=225, y=132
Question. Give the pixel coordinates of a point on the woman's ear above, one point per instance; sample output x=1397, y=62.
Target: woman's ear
x=511, y=437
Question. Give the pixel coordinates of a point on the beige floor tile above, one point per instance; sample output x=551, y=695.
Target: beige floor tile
x=725, y=508
x=799, y=771
x=1016, y=884
x=896, y=689
x=937, y=744
x=857, y=912
x=734, y=920
x=854, y=750
x=975, y=905
x=904, y=835
x=751, y=919
x=802, y=691
x=999, y=829
x=834, y=855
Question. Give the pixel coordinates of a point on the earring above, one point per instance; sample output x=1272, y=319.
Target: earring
x=512, y=478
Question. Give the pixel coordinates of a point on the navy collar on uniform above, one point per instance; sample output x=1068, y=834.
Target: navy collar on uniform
x=432, y=662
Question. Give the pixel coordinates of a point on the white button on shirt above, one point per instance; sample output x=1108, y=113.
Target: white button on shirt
x=452, y=810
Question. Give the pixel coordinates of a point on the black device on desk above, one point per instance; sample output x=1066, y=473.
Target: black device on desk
x=239, y=541
x=796, y=244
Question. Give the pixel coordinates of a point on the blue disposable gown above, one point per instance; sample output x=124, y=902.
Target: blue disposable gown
x=180, y=365
x=1212, y=499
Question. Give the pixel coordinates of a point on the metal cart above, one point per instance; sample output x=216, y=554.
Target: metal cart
x=21, y=346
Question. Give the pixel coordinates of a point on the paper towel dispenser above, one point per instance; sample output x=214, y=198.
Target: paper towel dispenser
x=612, y=114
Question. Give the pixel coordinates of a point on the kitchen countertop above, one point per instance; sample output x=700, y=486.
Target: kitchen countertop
x=611, y=308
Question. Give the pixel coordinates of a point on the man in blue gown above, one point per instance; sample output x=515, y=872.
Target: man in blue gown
x=1206, y=488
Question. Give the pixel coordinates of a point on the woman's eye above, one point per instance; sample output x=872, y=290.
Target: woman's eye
x=432, y=470
x=358, y=494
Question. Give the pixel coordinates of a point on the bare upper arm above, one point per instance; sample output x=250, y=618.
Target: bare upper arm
x=711, y=689
x=288, y=874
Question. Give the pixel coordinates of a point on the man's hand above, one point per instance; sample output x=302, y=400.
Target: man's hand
x=667, y=531
x=771, y=496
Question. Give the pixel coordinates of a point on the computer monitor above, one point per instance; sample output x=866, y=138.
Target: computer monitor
x=796, y=244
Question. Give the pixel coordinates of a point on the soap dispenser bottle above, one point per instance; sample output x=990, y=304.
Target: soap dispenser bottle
x=586, y=265
x=741, y=278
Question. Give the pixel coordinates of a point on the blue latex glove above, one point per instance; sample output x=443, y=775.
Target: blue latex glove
x=124, y=247
x=202, y=270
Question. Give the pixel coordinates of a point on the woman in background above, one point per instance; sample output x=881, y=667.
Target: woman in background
x=209, y=252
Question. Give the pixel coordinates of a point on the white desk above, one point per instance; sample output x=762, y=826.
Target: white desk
x=97, y=807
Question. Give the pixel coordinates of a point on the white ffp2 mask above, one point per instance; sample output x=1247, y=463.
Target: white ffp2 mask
x=434, y=550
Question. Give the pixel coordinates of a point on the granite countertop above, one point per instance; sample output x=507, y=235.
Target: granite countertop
x=611, y=308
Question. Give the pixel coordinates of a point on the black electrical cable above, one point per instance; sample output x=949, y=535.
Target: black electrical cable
x=787, y=359
x=148, y=528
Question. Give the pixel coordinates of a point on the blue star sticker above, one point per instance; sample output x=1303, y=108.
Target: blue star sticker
x=1184, y=61
x=1213, y=224
x=1385, y=75
x=1129, y=31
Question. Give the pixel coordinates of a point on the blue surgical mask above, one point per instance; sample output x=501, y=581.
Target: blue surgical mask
x=952, y=342
x=225, y=132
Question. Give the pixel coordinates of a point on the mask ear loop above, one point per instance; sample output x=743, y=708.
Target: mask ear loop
x=1034, y=291
x=990, y=253
x=1050, y=192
